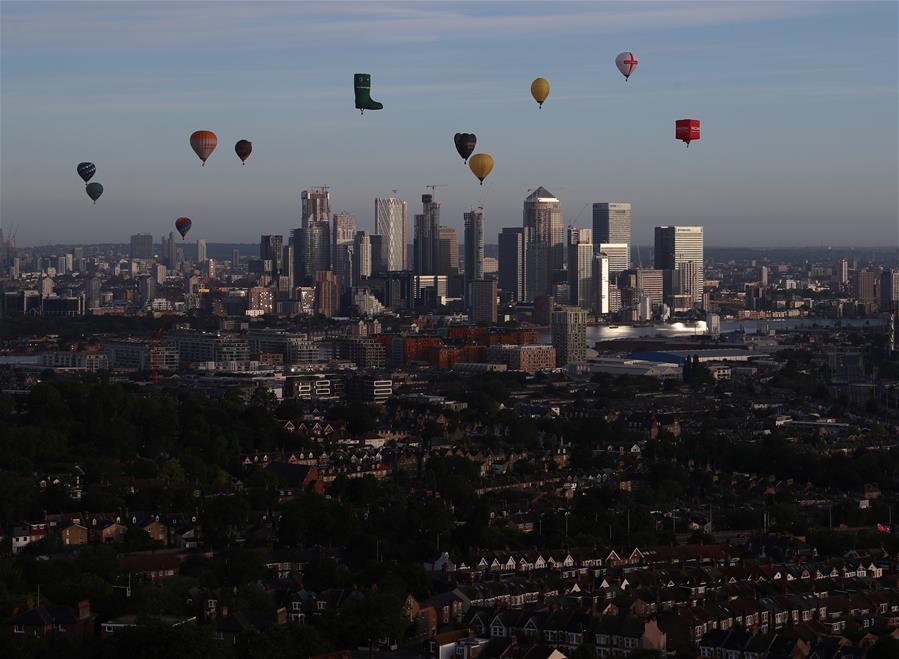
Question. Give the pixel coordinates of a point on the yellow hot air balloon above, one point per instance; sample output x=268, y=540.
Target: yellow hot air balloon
x=481, y=164
x=540, y=90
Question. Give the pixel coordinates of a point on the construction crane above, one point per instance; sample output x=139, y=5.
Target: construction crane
x=434, y=186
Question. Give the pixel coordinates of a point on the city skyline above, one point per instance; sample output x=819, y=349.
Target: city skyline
x=766, y=95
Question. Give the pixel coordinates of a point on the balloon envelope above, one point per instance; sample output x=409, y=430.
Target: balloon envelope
x=626, y=63
x=540, y=90
x=86, y=170
x=465, y=143
x=481, y=164
x=183, y=225
x=243, y=149
x=94, y=190
x=686, y=130
x=203, y=142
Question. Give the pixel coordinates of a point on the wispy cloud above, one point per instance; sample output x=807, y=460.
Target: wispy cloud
x=189, y=25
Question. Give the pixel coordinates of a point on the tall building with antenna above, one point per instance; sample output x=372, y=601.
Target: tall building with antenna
x=316, y=205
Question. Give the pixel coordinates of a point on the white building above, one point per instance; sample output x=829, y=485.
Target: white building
x=391, y=223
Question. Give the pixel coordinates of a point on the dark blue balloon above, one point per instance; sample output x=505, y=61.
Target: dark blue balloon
x=94, y=190
x=86, y=170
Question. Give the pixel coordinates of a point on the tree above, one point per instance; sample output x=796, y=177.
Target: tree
x=370, y=617
x=886, y=647
x=155, y=641
x=287, y=642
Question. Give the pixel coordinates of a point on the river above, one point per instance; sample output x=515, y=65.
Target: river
x=669, y=330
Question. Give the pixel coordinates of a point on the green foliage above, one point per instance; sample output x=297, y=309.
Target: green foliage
x=286, y=642
x=152, y=642
x=886, y=647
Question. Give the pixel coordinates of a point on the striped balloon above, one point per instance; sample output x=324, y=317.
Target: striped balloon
x=203, y=143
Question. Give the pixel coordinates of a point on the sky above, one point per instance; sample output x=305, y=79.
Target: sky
x=798, y=104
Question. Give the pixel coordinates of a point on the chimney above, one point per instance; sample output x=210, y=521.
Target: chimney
x=281, y=616
x=224, y=611
x=84, y=609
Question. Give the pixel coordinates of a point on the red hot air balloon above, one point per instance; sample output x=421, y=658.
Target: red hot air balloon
x=686, y=130
x=203, y=143
x=626, y=63
x=183, y=225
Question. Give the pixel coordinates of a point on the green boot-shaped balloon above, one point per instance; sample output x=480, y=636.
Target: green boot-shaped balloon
x=362, y=86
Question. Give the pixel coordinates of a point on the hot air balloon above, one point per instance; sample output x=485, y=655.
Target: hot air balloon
x=243, y=149
x=626, y=63
x=540, y=90
x=203, y=143
x=86, y=171
x=94, y=190
x=183, y=225
x=362, y=89
x=481, y=164
x=465, y=143
x=686, y=130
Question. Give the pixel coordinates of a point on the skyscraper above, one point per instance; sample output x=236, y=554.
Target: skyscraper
x=316, y=205
x=327, y=293
x=889, y=290
x=343, y=230
x=675, y=246
x=171, y=252
x=482, y=301
x=580, y=267
x=569, y=335
x=391, y=220
x=362, y=260
x=600, y=304
x=288, y=275
x=92, y=293
x=617, y=254
x=142, y=246
x=449, y=252
x=545, y=246
x=270, y=249
x=427, y=237
x=474, y=244
x=201, y=250
x=311, y=252
x=612, y=224
x=866, y=288
x=512, y=245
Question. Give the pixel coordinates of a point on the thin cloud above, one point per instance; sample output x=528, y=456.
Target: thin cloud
x=187, y=26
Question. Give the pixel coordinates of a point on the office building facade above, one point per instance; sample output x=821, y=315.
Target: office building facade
x=511, y=263
x=569, y=335
x=612, y=225
x=678, y=245
x=580, y=267
x=316, y=205
x=474, y=244
x=391, y=223
x=542, y=218
x=142, y=246
x=482, y=301
x=427, y=237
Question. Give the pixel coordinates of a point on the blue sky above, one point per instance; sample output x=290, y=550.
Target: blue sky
x=798, y=103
